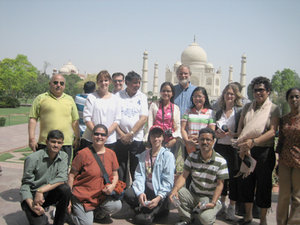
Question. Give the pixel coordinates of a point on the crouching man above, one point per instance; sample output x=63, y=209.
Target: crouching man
x=44, y=182
x=208, y=170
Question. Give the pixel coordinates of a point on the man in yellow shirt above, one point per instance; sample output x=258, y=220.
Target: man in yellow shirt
x=56, y=111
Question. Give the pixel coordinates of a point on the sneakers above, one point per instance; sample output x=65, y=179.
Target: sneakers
x=230, y=214
x=223, y=210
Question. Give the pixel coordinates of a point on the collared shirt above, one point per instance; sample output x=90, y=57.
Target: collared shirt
x=54, y=114
x=40, y=170
x=131, y=109
x=182, y=97
x=205, y=173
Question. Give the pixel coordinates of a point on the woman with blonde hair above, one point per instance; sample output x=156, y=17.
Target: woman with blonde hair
x=227, y=120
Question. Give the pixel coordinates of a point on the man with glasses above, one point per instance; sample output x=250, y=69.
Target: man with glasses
x=208, y=170
x=118, y=82
x=55, y=110
x=44, y=182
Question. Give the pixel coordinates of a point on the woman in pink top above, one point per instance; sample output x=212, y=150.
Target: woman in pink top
x=165, y=114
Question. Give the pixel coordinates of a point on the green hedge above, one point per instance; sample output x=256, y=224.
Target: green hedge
x=9, y=102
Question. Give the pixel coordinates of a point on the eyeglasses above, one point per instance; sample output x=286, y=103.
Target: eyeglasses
x=101, y=134
x=118, y=81
x=259, y=90
x=60, y=82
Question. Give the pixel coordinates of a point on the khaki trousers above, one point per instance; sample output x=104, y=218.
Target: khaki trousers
x=289, y=192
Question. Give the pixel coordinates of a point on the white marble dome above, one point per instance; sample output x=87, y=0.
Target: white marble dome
x=68, y=68
x=193, y=54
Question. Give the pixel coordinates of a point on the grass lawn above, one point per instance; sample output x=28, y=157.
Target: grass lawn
x=15, y=116
x=27, y=149
x=5, y=156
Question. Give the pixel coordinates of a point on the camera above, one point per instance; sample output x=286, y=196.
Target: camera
x=225, y=128
x=168, y=133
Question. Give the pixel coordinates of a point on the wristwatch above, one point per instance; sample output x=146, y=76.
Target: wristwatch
x=131, y=132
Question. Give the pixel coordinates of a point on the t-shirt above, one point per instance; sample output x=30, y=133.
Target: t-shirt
x=131, y=110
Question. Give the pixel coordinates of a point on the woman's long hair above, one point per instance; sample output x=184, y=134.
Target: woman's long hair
x=237, y=93
x=204, y=92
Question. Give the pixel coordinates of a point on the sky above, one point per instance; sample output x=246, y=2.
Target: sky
x=96, y=34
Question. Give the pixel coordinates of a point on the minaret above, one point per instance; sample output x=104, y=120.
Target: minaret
x=155, y=80
x=230, y=74
x=145, y=74
x=243, y=75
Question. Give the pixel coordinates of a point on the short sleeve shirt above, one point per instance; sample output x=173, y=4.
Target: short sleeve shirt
x=55, y=114
x=131, y=109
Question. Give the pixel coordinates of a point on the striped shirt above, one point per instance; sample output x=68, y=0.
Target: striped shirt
x=197, y=120
x=205, y=173
x=80, y=102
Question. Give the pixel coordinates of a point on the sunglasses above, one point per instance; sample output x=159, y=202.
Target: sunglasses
x=101, y=134
x=61, y=83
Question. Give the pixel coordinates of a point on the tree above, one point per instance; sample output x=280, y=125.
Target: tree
x=36, y=86
x=15, y=74
x=72, y=84
x=281, y=82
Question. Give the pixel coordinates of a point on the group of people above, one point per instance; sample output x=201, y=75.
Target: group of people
x=180, y=150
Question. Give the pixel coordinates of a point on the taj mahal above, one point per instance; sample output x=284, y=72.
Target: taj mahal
x=203, y=72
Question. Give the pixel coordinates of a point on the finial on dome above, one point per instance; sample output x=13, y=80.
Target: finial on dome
x=194, y=38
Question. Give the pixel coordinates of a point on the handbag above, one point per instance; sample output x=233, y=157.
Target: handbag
x=118, y=191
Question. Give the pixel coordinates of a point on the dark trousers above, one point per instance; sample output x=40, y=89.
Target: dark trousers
x=259, y=183
x=231, y=156
x=60, y=196
x=134, y=148
x=66, y=148
x=144, y=215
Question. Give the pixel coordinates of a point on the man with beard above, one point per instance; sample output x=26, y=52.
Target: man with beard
x=184, y=89
x=208, y=170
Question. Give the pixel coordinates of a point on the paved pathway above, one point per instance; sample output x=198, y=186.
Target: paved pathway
x=16, y=137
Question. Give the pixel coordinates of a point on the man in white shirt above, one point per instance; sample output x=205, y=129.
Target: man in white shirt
x=134, y=110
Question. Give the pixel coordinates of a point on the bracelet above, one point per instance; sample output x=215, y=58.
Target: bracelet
x=39, y=190
x=131, y=132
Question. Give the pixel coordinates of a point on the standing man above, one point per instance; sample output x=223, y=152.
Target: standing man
x=43, y=182
x=80, y=99
x=208, y=170
x=118, y=82
x=134, y=114
x=56, y=111
x=184, y=89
